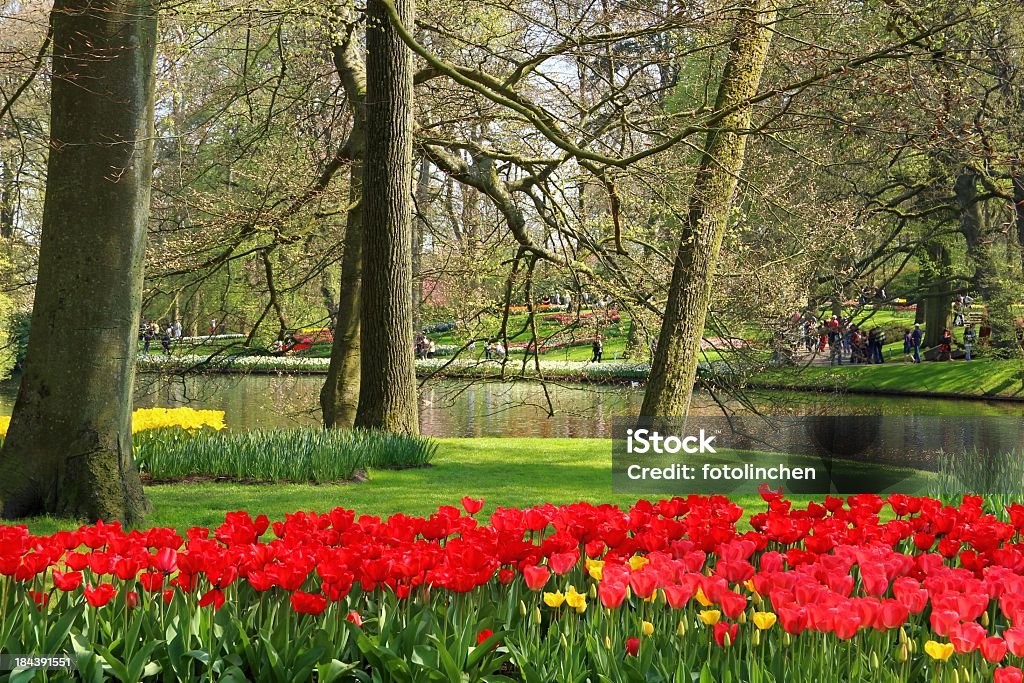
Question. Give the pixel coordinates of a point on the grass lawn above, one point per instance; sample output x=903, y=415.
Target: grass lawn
x=979, y=378
x=505, y=472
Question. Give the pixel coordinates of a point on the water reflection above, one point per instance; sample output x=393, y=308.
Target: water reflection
x=516, y=409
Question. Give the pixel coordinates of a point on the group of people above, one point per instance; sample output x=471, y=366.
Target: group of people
x=566, y=299
x=961, y=305
x=150, y=331
x=912, y=343
x=494, y=350
x=425, y=347
x=844, y=339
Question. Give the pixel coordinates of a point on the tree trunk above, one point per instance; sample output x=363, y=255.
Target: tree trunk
x=339, y=398
x=986, y=280
x=69, y=449
x=419, y=234
x=937, y=297
x=387, y=392
x=674, y=368
x=7, y=194
x=1018, y=205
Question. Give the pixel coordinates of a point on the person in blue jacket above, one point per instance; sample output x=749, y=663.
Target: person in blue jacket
x=915, y=340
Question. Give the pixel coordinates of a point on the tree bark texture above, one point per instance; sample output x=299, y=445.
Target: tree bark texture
x=68, y=451
x=937, y=297
x=387, y=392
x=339, y=398
x=674, y=367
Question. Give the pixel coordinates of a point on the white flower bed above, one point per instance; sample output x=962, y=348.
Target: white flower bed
x=471, y=367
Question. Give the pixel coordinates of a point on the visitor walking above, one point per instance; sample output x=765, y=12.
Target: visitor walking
x=915, y=340
x=970, y=339
x=598, y=348
x=147, y=338
x=177, y=329
x=908, y=346
x=879, y=346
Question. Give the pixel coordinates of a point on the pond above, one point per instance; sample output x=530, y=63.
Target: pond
x=454, y=408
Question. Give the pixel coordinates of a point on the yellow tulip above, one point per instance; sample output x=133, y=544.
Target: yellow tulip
x=637, y=562
x=702, y=599
x=764, y=620
x=575, y=599
x=554, y=599
x=939, y=651
x=710, y=616
x=595, y=568
x=647, y=628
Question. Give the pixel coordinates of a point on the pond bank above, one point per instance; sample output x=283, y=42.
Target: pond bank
x=989, y=380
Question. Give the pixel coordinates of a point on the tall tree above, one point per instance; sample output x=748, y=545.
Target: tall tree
x=674, y=368
x=387, y=392
x=339, y=398
x=68, y=451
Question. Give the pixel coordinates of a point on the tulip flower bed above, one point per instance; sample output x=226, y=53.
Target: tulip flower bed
x=667, y=591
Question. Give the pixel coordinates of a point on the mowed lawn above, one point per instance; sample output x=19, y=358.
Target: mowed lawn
x=505, y=472
x=980, y=378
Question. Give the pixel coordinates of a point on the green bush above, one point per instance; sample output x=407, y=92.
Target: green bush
x=299, y=455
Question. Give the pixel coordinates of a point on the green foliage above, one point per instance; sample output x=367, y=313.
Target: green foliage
x=296, y=455
x=13, y=336
x=19, y=326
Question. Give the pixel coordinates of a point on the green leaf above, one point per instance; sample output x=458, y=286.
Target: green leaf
x=705, y=674
x=116, y=666
x=139, y=661
x=332, y=671
x=59, y=633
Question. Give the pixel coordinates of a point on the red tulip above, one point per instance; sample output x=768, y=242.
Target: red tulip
x=643, y=584
x=1014, y=637
x=611, y=593
x=535, y=576
x=308, y=603
x=354, y=618
x=562, y=563
x=67, y=582
x=993, y=649
x=721, y=629
x=472, y=505
x=678, y=595
x=967, y=637
x=1008, y=674
x=131, y=599
x=166, y=560
x=100, y=595
x=632, y=647
x=213, y=597
x=944, y=620
x=482, y=637
x=151, y=581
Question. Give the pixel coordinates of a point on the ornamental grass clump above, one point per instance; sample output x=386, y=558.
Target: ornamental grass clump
x=297, y=455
